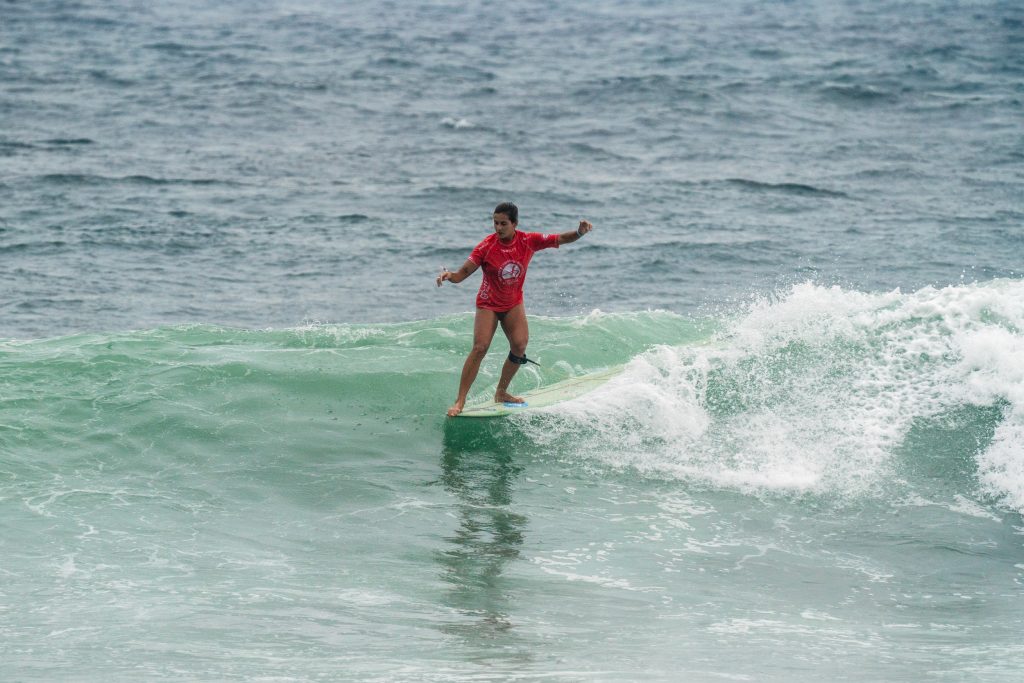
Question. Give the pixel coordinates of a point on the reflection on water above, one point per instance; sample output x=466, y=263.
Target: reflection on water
x=478, y=468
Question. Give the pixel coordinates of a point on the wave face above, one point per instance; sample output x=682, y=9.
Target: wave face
x=815, y=390
x=140, y=402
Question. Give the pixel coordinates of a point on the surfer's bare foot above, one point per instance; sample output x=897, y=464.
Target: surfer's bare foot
x=505, y=397
x=456, y=408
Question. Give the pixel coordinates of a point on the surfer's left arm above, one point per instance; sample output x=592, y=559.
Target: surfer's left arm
x=573, y=235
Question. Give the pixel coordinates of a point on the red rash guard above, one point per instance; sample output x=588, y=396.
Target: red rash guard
x=504, y=267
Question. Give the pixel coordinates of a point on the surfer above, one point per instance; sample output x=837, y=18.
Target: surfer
x=504, y=256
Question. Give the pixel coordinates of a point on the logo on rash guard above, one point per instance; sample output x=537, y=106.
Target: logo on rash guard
x=511, y=271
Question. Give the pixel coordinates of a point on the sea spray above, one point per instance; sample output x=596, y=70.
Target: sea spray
x=816, y=389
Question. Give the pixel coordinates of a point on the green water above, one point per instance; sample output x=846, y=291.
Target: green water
x=199, y=503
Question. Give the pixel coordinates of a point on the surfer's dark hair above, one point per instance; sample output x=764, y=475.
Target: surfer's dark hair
x=509, y=209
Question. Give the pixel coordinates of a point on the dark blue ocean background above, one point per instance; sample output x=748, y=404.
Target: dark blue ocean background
x=268, y=163
x=224, y=363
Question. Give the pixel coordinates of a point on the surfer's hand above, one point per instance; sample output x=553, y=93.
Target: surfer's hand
x=585, y=227
x=445, y=275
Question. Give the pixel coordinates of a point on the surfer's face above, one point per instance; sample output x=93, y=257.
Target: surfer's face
x=503, y=226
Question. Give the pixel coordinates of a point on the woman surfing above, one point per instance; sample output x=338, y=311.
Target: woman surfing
x=504, y=256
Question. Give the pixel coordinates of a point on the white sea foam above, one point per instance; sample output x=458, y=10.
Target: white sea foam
x=816, y=390
x=456, y=123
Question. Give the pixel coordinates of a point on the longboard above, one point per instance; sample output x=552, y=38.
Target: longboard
x=544, y=396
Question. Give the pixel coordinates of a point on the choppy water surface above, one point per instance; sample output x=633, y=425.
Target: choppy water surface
x=225, y=366
x=267, y=163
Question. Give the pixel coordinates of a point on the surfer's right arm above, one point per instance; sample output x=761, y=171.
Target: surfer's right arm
x=467, y=269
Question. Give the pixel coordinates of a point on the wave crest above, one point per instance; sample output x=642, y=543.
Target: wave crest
x=823, y=390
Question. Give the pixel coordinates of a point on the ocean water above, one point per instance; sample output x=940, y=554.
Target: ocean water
x=225, y=365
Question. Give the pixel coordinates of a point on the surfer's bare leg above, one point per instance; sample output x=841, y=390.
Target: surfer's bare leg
x=517, y=330
x=484, y=325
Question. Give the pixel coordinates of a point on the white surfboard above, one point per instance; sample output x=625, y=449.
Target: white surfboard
x=545, y=396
